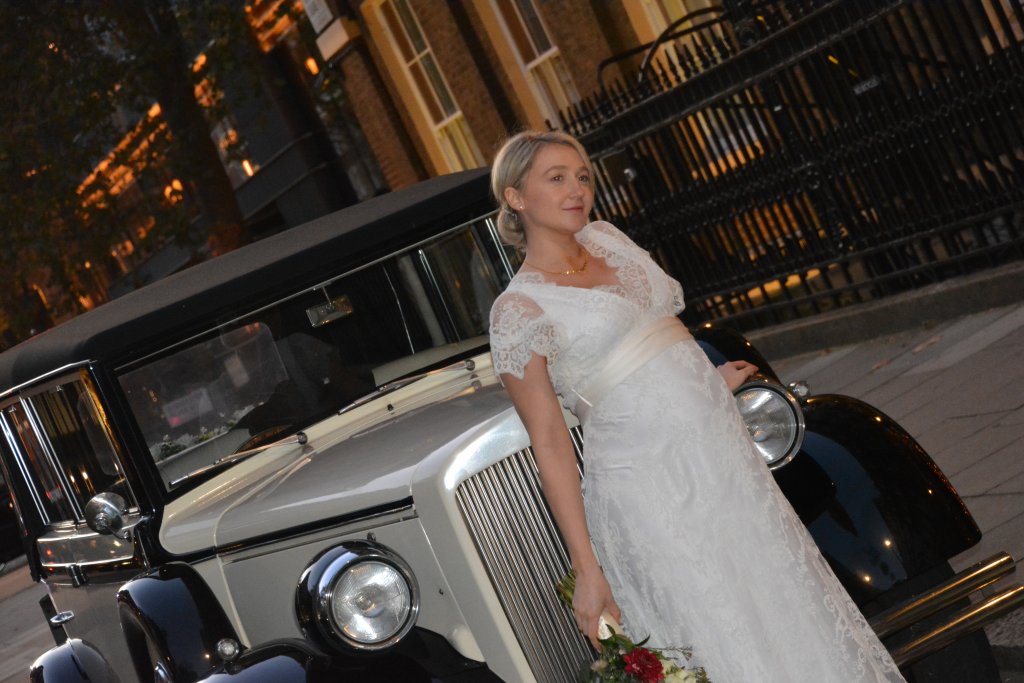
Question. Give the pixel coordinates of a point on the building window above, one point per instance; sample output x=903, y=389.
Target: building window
x=538, y=56
x=233, y=150
x=432, y=92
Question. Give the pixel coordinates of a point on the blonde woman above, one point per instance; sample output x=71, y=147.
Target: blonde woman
x=679, y=531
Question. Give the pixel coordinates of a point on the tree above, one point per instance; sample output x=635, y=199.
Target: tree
x=80, y=82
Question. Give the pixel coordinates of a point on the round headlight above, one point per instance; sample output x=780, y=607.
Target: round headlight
x=774, y=421
x=371, y=602
x=357, y=596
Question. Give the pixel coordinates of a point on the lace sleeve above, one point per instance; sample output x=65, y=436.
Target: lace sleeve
x=678, y=300
x=615, y=238
x=520, y=328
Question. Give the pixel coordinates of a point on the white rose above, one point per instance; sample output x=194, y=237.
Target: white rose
x=680, y=676
x=605, y=624
x=673, y=674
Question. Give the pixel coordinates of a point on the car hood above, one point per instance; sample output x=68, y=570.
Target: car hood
x=351, y=464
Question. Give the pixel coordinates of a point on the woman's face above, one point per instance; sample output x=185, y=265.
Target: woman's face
x=557, y=193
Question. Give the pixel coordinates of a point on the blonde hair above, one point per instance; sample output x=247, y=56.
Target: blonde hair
x=512, y=164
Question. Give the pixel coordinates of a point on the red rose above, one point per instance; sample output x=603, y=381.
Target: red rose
x=644, y=664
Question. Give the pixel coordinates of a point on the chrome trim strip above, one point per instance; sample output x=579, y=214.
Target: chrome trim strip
x=492, y=230
x=524, y=555
x=51, y=455
x=45, y=376
x=118, y=448
x=402, y=511
x=432, y=279
x=19, y=459
x=85, y=547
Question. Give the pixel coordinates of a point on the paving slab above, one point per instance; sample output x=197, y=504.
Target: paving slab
x=951, y=435
x=1013, y=484
x=1004, y=538
x=980, y=463
x=1012, y=417
x=23, y=632
x=983, y=338
x=994, y=510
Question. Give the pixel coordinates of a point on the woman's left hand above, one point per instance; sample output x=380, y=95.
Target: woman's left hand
x=736, y=372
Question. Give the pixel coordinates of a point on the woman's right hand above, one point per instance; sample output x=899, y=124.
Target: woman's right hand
x=591, y=597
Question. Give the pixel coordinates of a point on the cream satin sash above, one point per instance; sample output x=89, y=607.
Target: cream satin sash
x=632, y=353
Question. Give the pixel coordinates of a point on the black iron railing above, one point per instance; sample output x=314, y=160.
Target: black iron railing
x=785, y=158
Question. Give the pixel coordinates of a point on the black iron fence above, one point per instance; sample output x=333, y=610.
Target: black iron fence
x=783, y=158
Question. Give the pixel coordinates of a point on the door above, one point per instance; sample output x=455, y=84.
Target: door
x=59, y=438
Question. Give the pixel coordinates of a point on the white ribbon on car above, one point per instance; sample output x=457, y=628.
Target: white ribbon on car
x=633, y=352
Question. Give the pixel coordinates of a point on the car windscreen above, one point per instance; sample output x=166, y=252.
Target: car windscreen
x=286, y=366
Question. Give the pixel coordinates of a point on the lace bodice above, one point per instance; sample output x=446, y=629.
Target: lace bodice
x=574, y=328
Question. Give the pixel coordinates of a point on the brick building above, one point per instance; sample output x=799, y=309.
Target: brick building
x=436, y=85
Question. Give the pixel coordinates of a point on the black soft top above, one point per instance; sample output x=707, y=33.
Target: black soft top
x=196, y=299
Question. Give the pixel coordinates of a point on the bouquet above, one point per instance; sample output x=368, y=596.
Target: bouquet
x=623, y=661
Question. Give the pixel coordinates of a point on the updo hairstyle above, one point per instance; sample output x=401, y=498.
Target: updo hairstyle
x=511, y=166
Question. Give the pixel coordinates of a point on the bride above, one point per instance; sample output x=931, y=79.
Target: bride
x=678, y=530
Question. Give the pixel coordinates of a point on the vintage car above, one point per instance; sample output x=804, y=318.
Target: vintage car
x=294, y=463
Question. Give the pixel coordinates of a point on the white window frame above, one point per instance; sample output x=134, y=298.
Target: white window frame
x=451, y=133
x=549, y=58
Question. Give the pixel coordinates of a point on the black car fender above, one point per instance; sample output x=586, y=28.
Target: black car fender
x=421, y=657
x=76, y=661
x=285, y=661
x=172, y=619
x=879, y=508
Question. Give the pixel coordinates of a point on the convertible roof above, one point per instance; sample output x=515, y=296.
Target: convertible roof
x=196, y=299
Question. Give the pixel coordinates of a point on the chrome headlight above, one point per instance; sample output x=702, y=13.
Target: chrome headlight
x=357, y=596
x=774, y=421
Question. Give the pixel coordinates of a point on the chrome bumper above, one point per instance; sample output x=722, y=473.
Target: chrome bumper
x=957, y=624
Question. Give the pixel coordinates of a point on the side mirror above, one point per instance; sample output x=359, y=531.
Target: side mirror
x=104, y=514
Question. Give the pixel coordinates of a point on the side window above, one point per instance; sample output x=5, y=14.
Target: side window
x=466, y=281
x=37, y=468
x=71, y=422
x=60, y=443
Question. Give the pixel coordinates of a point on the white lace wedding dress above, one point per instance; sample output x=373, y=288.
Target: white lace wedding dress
x=699, y=545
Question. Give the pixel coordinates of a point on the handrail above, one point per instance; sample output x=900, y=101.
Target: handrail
x=646, y=63
x=648, y=46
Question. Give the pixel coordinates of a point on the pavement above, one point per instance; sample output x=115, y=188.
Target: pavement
x=953, y=376
x=24, y=634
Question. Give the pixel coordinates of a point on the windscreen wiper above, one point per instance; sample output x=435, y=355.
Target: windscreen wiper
x=298, y=437
x=468, y=364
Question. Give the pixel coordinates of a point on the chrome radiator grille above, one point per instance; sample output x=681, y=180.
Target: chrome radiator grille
x=525, y=557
